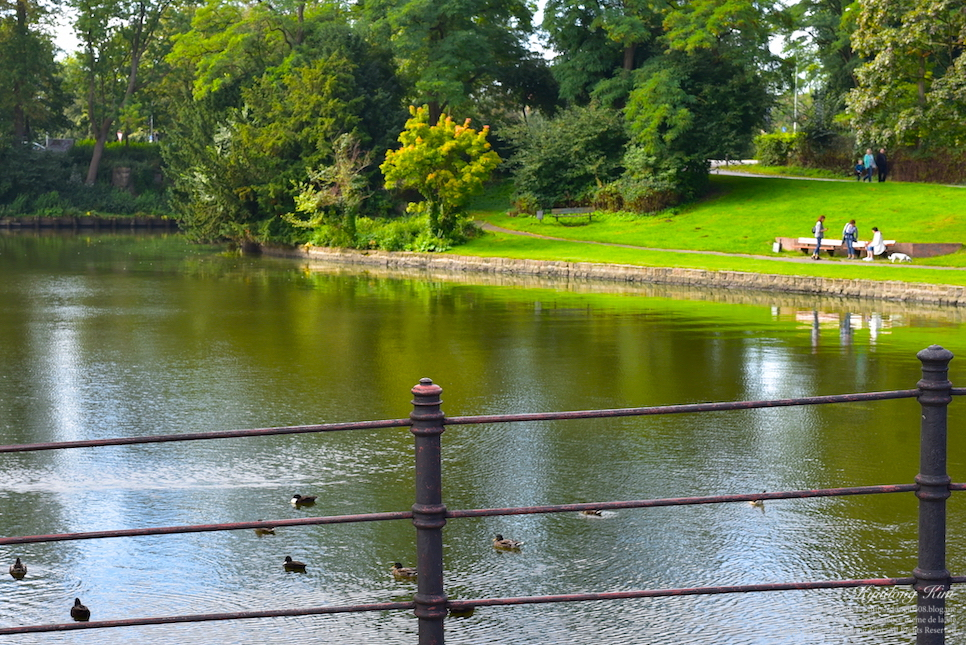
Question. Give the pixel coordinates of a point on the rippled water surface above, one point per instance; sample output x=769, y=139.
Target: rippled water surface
x=117, y=336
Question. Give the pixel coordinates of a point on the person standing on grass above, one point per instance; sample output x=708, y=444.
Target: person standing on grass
x=882, y=164
x=869, y=162
x=819, y=232
x=849, y=235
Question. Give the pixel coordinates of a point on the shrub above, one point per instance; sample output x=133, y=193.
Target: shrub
x=17, y=207
x=636, y=194
x=564, y=160
x=151, y=203
x=398, y=234
x=780, y=148
x=50, y=204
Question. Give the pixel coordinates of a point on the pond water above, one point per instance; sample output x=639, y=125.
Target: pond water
x=109, y=336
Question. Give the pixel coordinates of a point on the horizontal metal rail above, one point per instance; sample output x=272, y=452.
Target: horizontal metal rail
x=195, y=436
x=197, y=618
x=465, y=605
x=688, y=408
x=480, y=512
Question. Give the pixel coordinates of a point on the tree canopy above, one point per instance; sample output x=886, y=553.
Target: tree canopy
x=911, y=91
x=274, y=118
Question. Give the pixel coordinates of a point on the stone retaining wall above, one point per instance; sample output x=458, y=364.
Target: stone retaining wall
x=944, y=295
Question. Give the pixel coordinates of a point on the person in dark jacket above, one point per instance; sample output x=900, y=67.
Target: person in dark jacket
x=882, y=164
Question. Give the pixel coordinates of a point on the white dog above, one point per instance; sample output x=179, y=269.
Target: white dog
x=899, y=257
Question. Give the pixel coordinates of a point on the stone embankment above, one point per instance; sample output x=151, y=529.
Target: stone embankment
x=944, y=295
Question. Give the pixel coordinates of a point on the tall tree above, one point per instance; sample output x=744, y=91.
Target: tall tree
x=912, y=89
x=31, y=95
x=260, y=112
x=821, y=62
x=704, y=96
x=586, y=55
x=828, y=26
x=450, y=49
x=115, y=37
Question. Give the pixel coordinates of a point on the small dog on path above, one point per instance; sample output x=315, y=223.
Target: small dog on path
x=899, y=257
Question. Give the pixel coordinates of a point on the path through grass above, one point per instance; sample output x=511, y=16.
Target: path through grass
x=743, y=216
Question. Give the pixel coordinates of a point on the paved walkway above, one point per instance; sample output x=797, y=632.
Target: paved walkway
x=721, y=170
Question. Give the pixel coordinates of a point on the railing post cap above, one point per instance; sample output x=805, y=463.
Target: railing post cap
x=935, y=353
x=426, y=387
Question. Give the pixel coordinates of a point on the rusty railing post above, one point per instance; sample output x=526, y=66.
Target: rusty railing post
x=932, y=577
x=429, y=512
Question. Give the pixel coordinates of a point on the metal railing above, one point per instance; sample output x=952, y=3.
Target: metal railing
x=930, y=579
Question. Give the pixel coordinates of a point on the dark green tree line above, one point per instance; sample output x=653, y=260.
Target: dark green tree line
x=266, y=111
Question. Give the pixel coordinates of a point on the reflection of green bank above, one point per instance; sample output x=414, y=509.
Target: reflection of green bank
x=862, y=319
x=341, y=262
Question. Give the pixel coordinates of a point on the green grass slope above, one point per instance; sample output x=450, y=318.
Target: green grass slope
x=743, y=216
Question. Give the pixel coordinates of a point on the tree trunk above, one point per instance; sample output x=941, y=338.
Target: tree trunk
x=630, y=52
x=100, y=141
x=435, y=111
x=19, y=118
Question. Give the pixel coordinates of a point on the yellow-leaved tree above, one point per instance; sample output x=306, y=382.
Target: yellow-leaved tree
x=446, y=163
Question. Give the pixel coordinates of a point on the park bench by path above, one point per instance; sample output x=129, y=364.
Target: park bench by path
x=829, y=245
x=579, y=211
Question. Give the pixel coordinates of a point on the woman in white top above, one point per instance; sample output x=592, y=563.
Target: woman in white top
x=875, y=247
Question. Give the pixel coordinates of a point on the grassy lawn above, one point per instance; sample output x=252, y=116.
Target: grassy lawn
x=745, y=215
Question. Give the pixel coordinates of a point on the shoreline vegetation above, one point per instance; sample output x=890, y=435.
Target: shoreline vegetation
x=722, y=242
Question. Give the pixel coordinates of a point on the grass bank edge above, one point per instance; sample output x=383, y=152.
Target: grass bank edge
x=506, y=246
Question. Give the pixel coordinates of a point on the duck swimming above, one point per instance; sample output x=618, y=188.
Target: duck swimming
x=400, y=572
x=462, y=612
x=506, y=544
x=80, y=612
x=593, y=511
x=293, y=565
x=299, y=500
x=261, y=531
x=18, y=569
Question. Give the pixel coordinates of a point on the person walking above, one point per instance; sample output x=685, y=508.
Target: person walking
x=849, y=235
x=882, y=164
x=869, y=162
x=819, y=232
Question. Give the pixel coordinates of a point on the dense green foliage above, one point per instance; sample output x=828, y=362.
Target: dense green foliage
x=50, y=183
x=779, y=148
x=565, y=160
x=244, y=144
x=911, y=91
x=281, y=122
x=32, y=99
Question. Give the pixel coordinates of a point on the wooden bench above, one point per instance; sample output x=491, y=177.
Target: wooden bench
x=579, y=211
x=829, y=245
